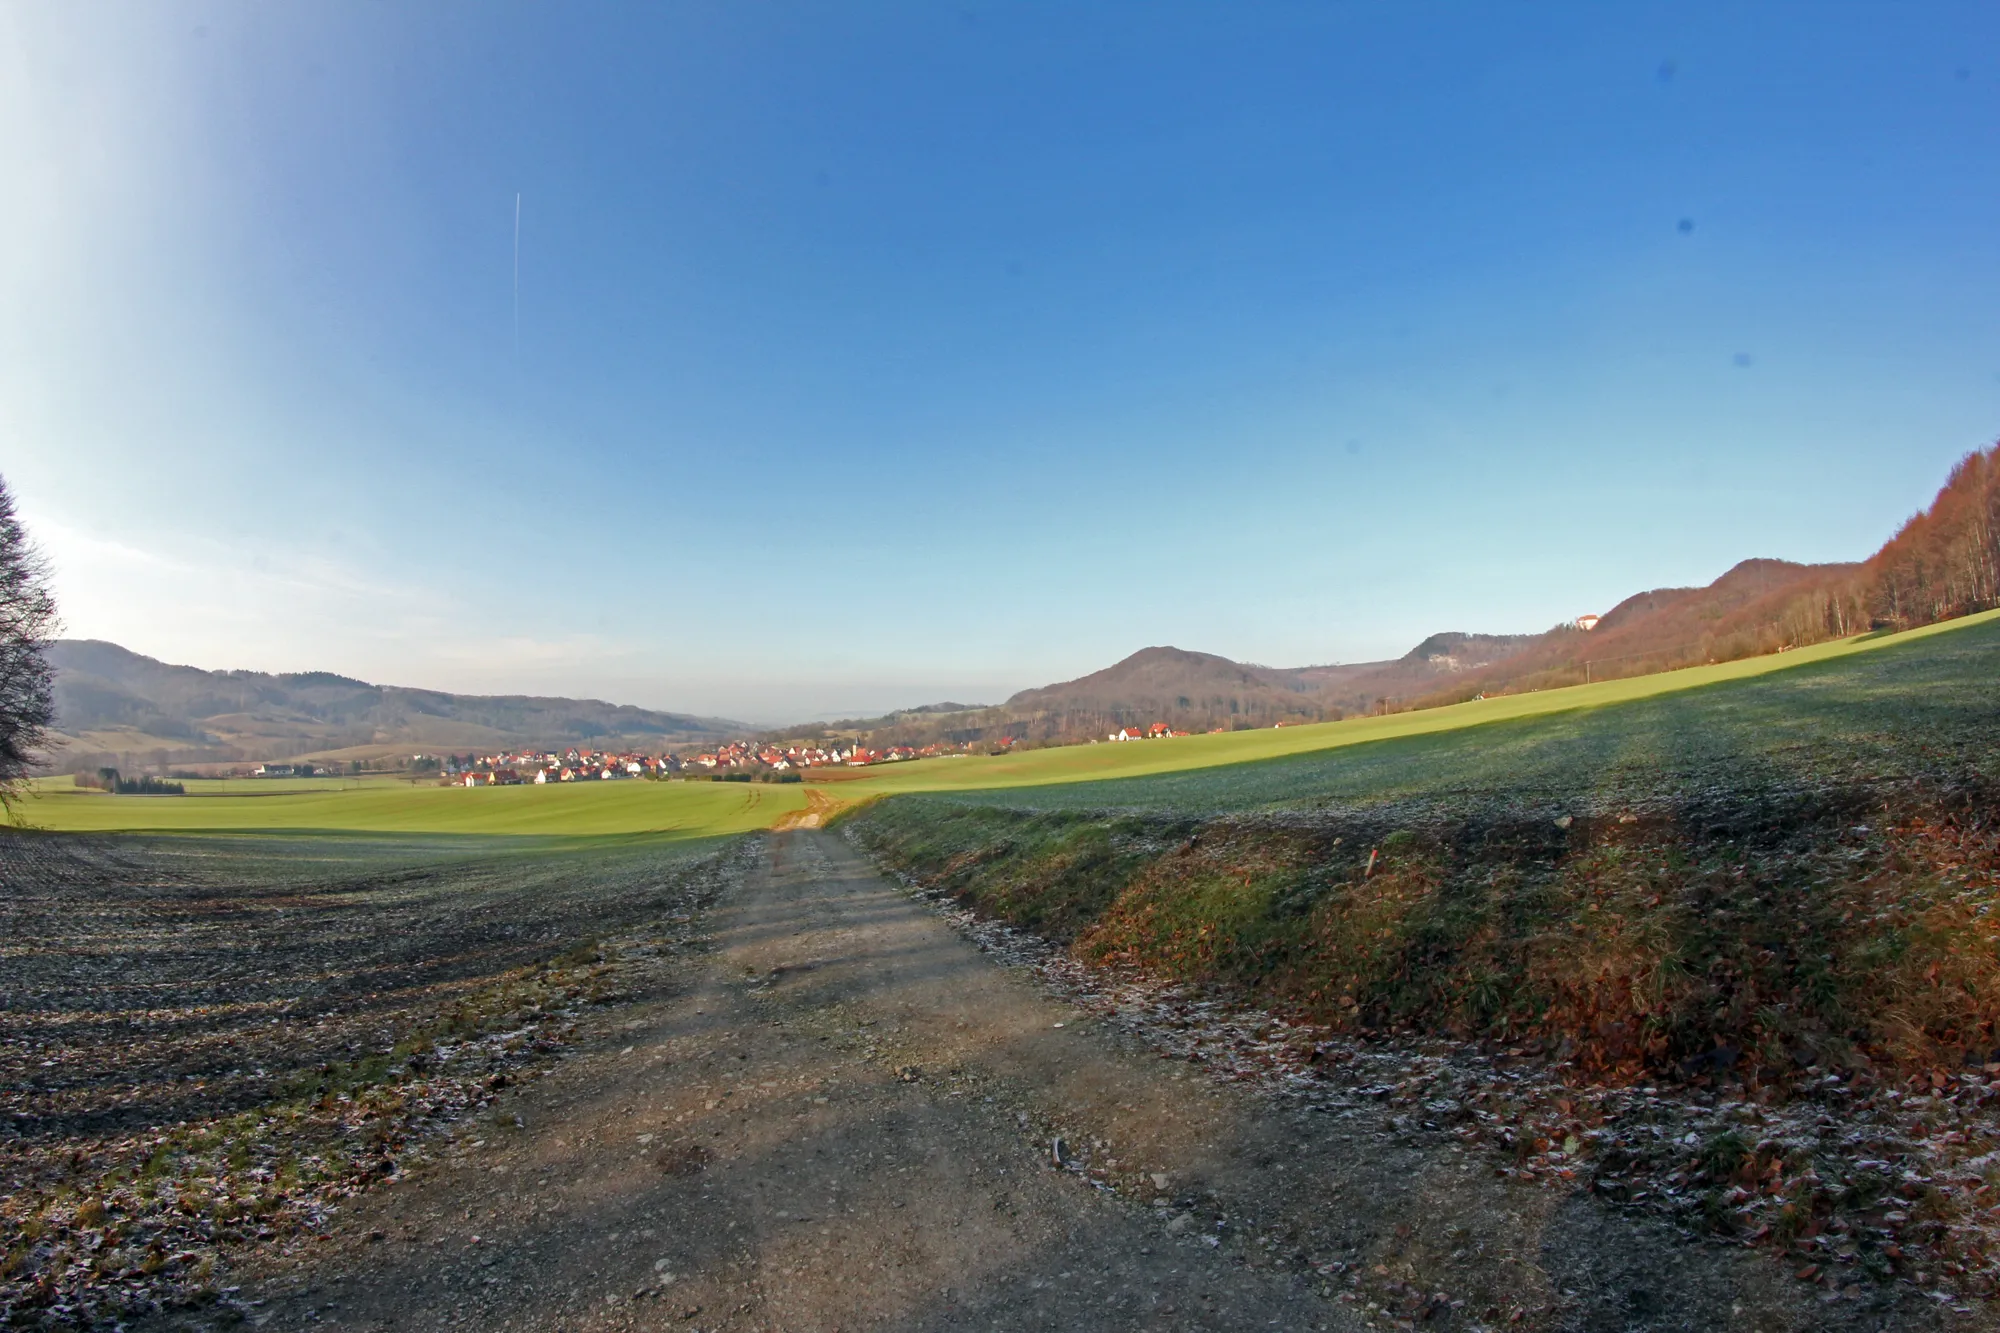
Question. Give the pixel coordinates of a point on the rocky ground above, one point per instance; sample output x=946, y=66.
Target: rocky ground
x=838, y=1112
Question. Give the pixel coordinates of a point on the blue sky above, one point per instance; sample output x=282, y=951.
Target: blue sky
x=875, y=354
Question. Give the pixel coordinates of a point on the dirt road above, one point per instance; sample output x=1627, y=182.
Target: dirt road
x=844, y=1116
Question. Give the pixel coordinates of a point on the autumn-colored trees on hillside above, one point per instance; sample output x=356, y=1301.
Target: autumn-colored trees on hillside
x=1946, y=561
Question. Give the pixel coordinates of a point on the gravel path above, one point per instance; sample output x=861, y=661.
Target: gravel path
x=846, y=1116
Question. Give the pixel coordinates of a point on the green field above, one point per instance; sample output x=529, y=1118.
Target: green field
x=1748, y=877
x=1100, y=762
x=1796, y=867
x=669, y=809
x=1788, y=713
x=1912, y=707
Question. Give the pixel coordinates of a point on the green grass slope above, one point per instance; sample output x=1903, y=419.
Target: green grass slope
x=1098, y=765
x=1917, y=705
x=1555, y=744
x=1740, y=881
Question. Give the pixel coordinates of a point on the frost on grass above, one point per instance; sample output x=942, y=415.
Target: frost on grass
x=210, y=1043
x=1860, y=1157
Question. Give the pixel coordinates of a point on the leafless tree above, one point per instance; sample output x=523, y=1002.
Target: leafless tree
x=1945, y=561
x=27, y=623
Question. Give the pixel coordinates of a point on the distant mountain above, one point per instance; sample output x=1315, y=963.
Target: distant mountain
x=1431, y=665
x=1943, y=562
x=1759, y=606
x=1167, y=684
x=1188, y=691
x=1199, y=691
x=116, y=705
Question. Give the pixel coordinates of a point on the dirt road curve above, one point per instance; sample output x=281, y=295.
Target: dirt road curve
x=842, y=1118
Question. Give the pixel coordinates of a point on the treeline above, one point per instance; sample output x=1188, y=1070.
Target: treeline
x=108, y=779
x=1018, y=729
x=1944, y=562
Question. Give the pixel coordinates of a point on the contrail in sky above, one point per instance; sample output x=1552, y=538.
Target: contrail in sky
x=517, y=275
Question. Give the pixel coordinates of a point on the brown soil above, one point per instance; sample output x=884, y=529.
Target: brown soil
x=820, y=809
x=207, y=1044
x=845, y=1116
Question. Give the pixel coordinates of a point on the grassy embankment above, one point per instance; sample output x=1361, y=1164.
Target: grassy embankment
x=1782, y=870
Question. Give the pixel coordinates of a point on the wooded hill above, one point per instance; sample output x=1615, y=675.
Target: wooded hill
x=1944, y=562
x=1189, y=691
x=119, y=708
x=1200, y=691
x=116, y=706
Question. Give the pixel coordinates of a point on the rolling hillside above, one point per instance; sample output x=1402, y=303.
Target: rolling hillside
x=1943, y=562
x=1192, y=690
x=1759, y=606
x=1880, y=704
x=1200, y=691
x=1189, y=691
x=113, y=705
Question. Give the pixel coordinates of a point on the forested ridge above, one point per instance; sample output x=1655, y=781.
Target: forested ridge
x=1943, y=562
x=119, y=707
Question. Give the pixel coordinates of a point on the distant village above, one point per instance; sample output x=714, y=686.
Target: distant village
x=739, y=759
x=744, y=760
x=1159, y=731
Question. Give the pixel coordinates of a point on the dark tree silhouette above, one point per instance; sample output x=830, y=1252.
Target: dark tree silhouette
x=27, y=623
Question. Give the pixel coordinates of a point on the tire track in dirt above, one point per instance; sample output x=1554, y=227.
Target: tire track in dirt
x=844, y=1117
